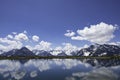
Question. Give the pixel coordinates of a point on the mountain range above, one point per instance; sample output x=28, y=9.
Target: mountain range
x=92, y=50
x=100, y=50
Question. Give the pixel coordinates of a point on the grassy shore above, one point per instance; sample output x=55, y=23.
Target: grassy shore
x=58, y=57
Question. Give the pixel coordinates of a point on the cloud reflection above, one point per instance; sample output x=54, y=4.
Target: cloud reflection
x=17, y=70
x=18, y=74
x=96, y=74
x=7, y=65
x=33, y=74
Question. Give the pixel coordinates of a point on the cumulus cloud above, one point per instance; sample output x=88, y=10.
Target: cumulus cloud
x=7, y=44
x=68, y=48
x=100, y=33
x=18, y=40
x=35, y=38
x=114, y=43
x=13, y=41
x=69, y=33
x=29, y=47
x=14, y=33
x=10, y=36
x=56, y=51
x=58, y=48
x=21, y=36
x=25, y=31
x=43, y=45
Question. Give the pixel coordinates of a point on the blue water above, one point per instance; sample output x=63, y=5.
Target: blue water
x=59, y=69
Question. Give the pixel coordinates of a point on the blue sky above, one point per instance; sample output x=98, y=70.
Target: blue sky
x=49, y=19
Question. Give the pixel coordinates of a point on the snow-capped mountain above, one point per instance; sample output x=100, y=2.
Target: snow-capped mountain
x=100, y=50
x=74, y=53
x=62, y=54
x=19, y=52
x=58, y=53
x=1, y=51
x=93, y=50
x=49, y=53
x=41, y=53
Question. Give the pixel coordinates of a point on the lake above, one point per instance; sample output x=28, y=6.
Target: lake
x=60, y=69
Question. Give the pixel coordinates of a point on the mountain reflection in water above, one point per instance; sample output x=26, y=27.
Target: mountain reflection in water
x=60, y=69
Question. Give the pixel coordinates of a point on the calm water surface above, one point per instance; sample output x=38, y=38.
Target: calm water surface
x=60, y=69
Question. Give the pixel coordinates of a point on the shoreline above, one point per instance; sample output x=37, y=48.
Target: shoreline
x=58, y=57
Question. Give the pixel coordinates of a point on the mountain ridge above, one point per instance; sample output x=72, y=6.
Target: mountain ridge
x=92, y=50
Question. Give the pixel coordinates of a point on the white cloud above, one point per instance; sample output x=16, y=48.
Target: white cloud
x=85, y=46
x=25, y=31
x=12, y=41
x=68, y=48
x=58, y=48
x=69, y=33
x=43, y=45
x=114, y=43
x=16, y=41
x=35, y=38
x=78, y=38
x=10, y=36
x=29, y=47
x=9, y=44
x=2, y=47
x=14, y=33
x=21, y=37
x=100, y=33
